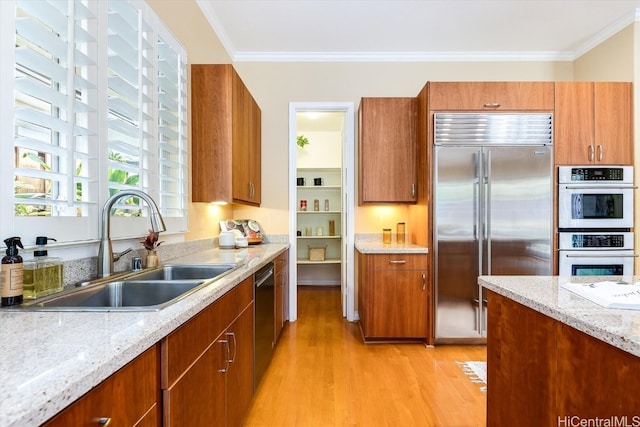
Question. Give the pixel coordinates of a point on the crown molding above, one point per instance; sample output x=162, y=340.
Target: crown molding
x=464, y=56
x=401, y=56
x=606, y=33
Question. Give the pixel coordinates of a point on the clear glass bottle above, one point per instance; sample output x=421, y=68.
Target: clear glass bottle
x=386, y=236
x=400, y=233
x=43, y=274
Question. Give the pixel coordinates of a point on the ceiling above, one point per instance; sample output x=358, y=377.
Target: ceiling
x=415, y=30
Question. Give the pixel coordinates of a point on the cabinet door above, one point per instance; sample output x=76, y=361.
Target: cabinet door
x=246, y=144
x=387, y=150
x=240, y=376
x=281, y=290
x=613, y=123
x=198, y=397
x=397, y=304
x=111, y=400
x=574, y=123
x=491, y=96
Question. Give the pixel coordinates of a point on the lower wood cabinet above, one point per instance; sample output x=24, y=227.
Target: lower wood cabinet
x=393, y=296
x=541, y=372
x=130, y=397
x=207, y=369
x=202, y=374
x=281, y=267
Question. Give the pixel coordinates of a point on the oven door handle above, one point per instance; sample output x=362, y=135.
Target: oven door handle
x=599, y=187
x=587, y=255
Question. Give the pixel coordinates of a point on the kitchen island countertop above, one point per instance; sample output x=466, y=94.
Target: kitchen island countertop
x=50, y=359
x=544, y=294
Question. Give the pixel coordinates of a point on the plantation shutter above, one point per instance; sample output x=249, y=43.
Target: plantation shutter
x=55, y=104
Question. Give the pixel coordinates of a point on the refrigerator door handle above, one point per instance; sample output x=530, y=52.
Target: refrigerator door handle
x=477, y=200
x=487, y=211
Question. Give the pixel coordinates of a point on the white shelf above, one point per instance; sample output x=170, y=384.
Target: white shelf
x=319, y=212
x=319, y=187
x=326, y=261
x=319, y=237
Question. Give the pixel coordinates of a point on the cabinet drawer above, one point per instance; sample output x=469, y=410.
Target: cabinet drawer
x=491, y=96
x=397, y=262
x=182, y=347
x=124, y=398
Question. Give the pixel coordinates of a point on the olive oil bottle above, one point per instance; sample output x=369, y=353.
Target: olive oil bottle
x=42, y=274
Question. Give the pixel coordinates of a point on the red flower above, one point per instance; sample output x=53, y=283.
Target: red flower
x=150, y=243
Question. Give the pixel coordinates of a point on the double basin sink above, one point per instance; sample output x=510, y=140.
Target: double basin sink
x=148, y=290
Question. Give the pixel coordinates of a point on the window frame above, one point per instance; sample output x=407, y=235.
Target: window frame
x=79, y=231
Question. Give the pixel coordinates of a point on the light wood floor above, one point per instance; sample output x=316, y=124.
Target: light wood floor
x=323, y=375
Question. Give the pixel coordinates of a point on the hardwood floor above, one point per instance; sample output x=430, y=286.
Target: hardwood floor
x=323, y=375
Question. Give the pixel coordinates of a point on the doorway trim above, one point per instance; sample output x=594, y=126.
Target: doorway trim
x=348, y=194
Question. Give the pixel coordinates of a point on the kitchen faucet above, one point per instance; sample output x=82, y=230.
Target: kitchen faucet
x=105, y=252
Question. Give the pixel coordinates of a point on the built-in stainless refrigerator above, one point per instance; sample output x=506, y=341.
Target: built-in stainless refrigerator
x=492, y=194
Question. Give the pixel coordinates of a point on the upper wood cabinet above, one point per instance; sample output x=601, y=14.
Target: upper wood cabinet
x=593, y=123
x=225, y=137
x=387, y=150
x=491, y=96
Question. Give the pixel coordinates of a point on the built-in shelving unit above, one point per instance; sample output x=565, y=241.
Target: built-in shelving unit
x=313, y=225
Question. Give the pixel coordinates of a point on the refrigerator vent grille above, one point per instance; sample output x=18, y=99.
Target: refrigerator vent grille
x=493, y=129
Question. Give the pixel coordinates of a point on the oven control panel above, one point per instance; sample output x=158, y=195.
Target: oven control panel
x=597, y=174
x=597, y=241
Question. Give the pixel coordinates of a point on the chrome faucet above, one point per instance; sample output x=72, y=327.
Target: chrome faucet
x=105, y=252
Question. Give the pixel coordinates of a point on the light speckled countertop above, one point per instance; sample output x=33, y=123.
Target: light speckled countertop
x=50, y=359
x=620, y=328
x=377, y=247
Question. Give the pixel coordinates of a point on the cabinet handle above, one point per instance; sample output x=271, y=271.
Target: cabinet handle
x=600, y=152
x=413, y=191
x=226, y=359
x=397, y=261
x=492, y=105
x=103, y=421
x=235, y=346
x=424, y=282
x=591, y=153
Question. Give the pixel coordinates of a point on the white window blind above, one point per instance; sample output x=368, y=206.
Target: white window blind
x=130, y=102
x=54, y=75
x=99, y=106
x=172, y=128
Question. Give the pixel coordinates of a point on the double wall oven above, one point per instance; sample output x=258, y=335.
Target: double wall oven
x=595, y=219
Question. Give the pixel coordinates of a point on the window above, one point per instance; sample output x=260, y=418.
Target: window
x=97, y=108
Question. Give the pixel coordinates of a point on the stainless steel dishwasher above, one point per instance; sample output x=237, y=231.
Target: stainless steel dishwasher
x=264, y=320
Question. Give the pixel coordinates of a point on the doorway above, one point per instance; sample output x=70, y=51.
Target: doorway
x=322, y=251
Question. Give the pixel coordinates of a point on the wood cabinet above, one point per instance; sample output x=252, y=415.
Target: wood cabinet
x=593, y=123
x=491, y=96
x=387, y=150
x=549, y=372
x=207, y=369
x=394, y=297
x=281, y=267
x=129, y=397
x=226, y=137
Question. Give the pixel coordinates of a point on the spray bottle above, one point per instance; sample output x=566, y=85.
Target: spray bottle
x=12, y=270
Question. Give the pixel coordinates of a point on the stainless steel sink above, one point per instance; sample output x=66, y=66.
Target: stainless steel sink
x=185, y=272
x=146, y=291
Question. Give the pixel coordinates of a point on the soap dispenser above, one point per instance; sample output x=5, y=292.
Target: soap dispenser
x=12, y=270
x=42, y=274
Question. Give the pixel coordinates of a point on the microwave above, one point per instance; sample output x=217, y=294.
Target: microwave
x=595, y=197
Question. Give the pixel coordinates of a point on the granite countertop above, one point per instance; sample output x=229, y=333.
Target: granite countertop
x=50, y=359
x=377, y=247
x=618, y=327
